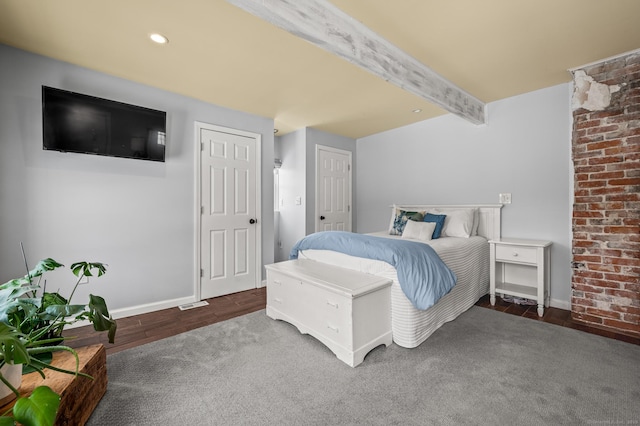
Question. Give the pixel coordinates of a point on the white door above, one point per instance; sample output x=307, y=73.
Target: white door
x=333, y=189
x=229, y=224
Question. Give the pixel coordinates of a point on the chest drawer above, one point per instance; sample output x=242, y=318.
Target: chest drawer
x=516, y=254
x=282, y=291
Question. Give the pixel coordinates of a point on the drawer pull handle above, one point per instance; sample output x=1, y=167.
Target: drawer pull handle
x=275, y=299
x=515, y=254
x=332, y=328
x=277, y=282
x=333, y=305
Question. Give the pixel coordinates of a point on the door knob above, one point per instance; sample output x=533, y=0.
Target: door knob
x=321, y=217
x=252, y=221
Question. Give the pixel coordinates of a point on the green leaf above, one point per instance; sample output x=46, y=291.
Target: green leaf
x=43, y=266
x=39, y=409
x=12, y=346
x=7, y=421
x=53, y=299
x=60, y=311
x=100, y=317
x=84, y=268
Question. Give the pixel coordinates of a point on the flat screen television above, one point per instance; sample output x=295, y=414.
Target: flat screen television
x=73, y=122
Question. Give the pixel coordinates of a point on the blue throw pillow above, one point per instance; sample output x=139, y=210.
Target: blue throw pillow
x=439, y=221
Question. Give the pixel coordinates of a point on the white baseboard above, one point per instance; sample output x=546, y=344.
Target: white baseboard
x=141, y=309
x=560, y=304
x=263, y=283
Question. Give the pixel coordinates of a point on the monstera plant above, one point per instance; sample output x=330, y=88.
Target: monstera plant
x=31, y=325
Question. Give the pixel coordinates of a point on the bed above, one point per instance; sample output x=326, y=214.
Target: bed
x=467, y=257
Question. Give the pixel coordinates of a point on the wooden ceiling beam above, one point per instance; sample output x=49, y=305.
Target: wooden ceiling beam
x=324, y=25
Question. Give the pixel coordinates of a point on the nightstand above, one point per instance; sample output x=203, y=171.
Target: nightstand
x=520, y=268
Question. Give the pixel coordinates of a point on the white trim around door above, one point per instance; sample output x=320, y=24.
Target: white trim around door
x=199, y=127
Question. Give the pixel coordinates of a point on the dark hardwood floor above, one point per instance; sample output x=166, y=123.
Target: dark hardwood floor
x=146, y=328
x=554, y=316
x=140, y=329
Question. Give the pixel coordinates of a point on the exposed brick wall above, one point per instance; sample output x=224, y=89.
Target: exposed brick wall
x=606, y=210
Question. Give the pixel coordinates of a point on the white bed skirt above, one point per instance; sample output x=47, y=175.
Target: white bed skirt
x=468, y=258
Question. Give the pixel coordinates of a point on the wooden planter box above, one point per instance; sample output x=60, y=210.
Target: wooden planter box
x=79, y=396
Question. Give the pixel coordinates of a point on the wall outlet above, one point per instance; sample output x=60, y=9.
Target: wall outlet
x=505, y=198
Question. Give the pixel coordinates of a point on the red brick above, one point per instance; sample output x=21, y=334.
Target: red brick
x=623, y=197
x=589, y=318
x=585, y=243
x=623, y=293
x=584, y=258
x=606, y=160
x=633, y=287
x=606, y=215
x=603, y=268
x=602, y=129
x=604, y=144
x=587, y=214
x=621, y=229
x=603, y=313
x=620, y=261
x=590, y=169
x=591, y=183
x=621, y=325
x=632, y=318
x=608, y=190
x=615, y=174
x=627, y=181
x=583, y=199
x=619, y=278
x=606, y=114
x=583, y=124
x=587, y=288
x=626, y=309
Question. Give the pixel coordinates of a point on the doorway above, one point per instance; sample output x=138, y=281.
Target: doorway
x=228, y=203
x=333, y=189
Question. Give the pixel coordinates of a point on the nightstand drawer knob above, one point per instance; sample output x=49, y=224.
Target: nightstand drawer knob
x=333, y=305
x=515, y=254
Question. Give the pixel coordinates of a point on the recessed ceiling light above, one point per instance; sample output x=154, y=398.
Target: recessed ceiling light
x=159, y=38
x=417, y=110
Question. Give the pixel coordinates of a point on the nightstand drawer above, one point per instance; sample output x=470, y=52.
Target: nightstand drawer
x=516, y=254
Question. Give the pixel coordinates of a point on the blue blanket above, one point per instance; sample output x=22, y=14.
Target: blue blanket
x=423, y=276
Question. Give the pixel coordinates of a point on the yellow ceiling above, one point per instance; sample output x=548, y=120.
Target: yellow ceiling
x=220, y=54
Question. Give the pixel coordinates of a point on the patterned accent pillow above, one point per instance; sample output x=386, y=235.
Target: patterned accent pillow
x=401, y=218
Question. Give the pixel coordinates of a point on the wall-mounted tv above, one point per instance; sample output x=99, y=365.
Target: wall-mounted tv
x=73, y=122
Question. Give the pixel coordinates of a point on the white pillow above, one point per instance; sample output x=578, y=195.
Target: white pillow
x=418, y=230
x=458, y=223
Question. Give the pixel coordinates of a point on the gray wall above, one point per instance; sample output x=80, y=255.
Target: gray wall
x=525, y=149
x=137, y=216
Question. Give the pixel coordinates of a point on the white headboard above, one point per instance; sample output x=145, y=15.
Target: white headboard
x=490, y=219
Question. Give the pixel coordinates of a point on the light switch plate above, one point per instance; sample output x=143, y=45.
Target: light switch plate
x=505, y=198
